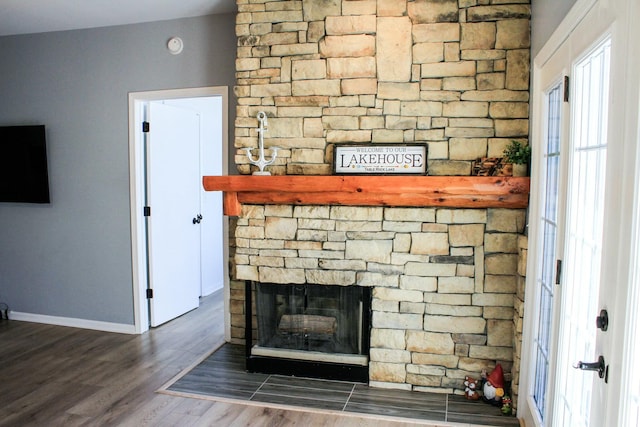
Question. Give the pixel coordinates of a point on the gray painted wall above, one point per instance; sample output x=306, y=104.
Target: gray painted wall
x=546, y=16
x=72, y=258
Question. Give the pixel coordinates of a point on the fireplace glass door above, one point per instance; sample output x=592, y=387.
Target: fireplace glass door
x=311, y=318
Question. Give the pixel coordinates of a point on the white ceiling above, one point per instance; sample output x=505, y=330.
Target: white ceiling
x=41, y=16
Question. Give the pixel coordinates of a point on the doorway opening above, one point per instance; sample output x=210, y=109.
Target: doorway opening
x=210, y=106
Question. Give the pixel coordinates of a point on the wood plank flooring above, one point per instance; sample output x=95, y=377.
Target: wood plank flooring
x=60, y=376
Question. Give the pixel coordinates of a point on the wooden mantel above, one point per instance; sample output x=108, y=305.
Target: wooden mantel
x=424, y=191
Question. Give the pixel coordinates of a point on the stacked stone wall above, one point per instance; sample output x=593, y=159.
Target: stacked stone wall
x=443, y=280
x=453, y=74
x=518, y=317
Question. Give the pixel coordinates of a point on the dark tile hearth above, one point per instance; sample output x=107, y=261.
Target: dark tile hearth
x=223, y=374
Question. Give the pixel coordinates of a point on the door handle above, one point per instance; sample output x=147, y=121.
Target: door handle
x=197, y=219
x=598, y=366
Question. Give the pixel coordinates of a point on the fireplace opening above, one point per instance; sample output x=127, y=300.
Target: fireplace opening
x=310, y=330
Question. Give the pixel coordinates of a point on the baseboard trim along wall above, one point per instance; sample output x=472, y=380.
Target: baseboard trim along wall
x=74, y=323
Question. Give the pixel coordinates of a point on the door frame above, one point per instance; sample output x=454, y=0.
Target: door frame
x=139, y=254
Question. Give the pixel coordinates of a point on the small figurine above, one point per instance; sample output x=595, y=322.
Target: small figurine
x=493, y=388
x=506, y=405
x=471, y=389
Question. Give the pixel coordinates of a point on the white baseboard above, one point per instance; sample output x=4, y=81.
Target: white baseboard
x=73, y=322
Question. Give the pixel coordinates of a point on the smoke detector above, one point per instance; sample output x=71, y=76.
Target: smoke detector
x=175, y=45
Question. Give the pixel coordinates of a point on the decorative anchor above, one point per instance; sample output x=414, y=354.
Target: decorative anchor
x=261, y=162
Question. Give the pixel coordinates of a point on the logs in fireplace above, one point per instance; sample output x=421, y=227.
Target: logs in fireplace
x=309, y=330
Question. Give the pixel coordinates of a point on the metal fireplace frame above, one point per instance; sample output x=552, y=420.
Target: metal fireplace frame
x=307, y=368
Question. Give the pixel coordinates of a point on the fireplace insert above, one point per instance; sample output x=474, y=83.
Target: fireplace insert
x=309, y=330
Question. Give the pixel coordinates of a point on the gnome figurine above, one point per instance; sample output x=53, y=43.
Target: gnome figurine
x=493, y=388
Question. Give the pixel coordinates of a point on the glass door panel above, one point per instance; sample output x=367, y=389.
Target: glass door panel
x=583, y=248
x=546, y=272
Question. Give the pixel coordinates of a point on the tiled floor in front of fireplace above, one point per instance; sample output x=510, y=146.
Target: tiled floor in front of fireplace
x=222, y=374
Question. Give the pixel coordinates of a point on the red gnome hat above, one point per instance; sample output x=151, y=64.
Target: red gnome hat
x=496, y=378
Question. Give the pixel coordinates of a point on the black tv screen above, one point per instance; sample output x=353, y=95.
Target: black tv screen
x=24, y=175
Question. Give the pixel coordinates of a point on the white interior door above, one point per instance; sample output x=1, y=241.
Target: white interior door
x=213, y=257
x=211, y=228
x=173, y=192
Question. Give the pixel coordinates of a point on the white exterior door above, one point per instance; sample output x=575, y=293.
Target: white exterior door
x=173, y=191
x=583, y=210
x=582, y=255
x=630, y=399
x=620, y=290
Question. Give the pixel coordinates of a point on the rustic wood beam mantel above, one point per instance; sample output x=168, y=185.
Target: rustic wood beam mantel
x=427, y=191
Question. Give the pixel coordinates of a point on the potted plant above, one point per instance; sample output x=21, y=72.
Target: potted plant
x=518, y=154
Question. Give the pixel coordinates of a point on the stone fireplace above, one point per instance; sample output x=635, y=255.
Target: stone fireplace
x=442, y=280
x=454, y=74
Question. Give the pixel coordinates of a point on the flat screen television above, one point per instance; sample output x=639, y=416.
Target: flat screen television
x=24, y=176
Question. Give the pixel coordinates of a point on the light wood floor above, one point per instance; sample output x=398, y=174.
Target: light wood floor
x=59, y=376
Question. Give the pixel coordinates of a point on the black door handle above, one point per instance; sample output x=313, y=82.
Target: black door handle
x=598, y=366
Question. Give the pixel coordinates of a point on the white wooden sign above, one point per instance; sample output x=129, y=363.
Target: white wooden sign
x=380, y=159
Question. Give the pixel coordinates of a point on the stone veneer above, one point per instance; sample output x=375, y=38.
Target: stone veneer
x=453, y=74
x=518, y=316
x=443, y=280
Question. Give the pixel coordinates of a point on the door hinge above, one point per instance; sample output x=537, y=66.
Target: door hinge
x=147, y=211
x=149, y=293
x=558, y=271
x=145, y=127
x=566, y=88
